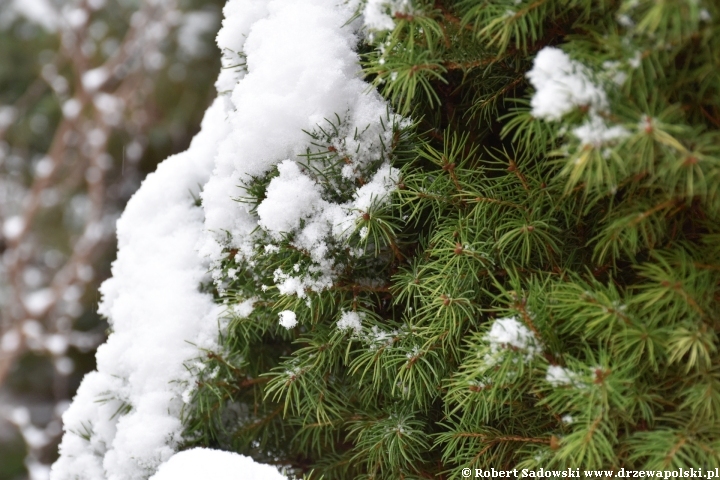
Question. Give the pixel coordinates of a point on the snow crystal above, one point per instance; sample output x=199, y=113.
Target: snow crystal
x=378, y=338
x=288, y=319
x=298, y=285
x=561, y=84
x=270, y=249
x=204, y=463
x=350, y=321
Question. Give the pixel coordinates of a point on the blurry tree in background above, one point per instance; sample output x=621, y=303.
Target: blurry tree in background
x=93, y=94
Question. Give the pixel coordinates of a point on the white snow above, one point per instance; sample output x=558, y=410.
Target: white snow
x=350, y=321
x=561, y=84
x=300, y=69
x=288, y=319
x=155, y=309
x=558, y=376
x=378, y=14
x=290, y=198
x=245, y=308
x=203, y=463
x=597, y=133
x=509, y=332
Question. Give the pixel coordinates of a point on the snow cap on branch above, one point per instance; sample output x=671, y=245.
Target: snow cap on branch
x=294, y=66
x=204, y=463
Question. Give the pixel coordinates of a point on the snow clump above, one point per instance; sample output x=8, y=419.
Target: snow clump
x=378, y=14
x=216, y=465
x=509, y=334
x=350, y=321
x=562, y=85
x=294, y=66
x=558, y=376
x=288, y=319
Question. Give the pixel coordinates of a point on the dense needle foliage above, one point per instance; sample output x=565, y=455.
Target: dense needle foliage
x=603, y=254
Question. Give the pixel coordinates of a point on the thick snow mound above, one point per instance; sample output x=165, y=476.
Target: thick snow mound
x=289, y=65
x=203, y=463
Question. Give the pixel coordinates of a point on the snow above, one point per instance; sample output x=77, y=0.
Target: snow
x=155, y=309
x=378, y=14
x=350, y=321
x=302, y=69
x=561, y=85
x=289, y=65
x=508, y=333
x=288, y=319
x=245, y=308
x=597, y=133
x=290, y=198
x=203, y=463
x=558, y=376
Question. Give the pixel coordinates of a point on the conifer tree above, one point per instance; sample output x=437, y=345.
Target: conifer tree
x=539, y=289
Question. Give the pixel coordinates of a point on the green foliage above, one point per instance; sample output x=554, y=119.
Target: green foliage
x=606, y=253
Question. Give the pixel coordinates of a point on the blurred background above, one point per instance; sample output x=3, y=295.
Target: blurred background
x=93, y=94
